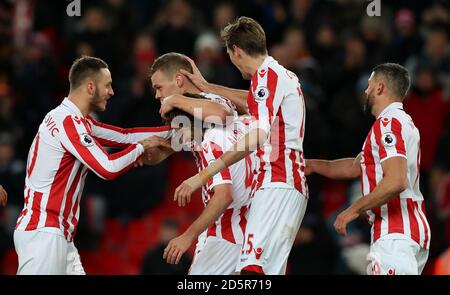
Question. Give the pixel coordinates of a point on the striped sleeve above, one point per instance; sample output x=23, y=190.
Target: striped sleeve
x=264, y=100
x=389, y=136
x=116, y=137
x=76, y=139
x=211, y=152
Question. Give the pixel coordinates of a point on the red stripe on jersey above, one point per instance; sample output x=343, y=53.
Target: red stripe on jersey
x=122, y=153
x=418, y=164
x=74, y=220
x=112, y=144
x=251, y=102
x=395, y=218
x=277, y=141
x=217, y=152
x=243, y=221
x=424, y=224
x=57, y=190
x=377, y=131
x=272, y=81
x=129, y=130
x=87, y=156
x=413, y=224
x=296, y=172
x=396, y=128
x=261, y=172
x=376, y=223
x=226, y=228
x=35, y=211
x=25, y=210
x=212, y=230
x=69, y=200
x=35, y=153
x=370, y=162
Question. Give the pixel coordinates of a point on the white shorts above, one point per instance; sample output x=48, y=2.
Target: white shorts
x=274, y=218
x=216, y=257
x=45, y=253
x=396, y=254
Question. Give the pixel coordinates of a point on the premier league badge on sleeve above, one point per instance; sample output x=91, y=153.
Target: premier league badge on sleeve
x=87, y=140
x=261, y=93
x=388, y=139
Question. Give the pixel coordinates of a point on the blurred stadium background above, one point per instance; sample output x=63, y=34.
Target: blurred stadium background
x=331, y=45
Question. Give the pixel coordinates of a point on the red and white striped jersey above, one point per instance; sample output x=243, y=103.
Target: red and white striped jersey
x=65, y=147
x=276, y=102
x=231, y=224
x=394, y=135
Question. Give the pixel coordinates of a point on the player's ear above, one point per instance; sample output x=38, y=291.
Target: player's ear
x=179, y=79
x=236, y=51
x=90, y=87
x=380, y=88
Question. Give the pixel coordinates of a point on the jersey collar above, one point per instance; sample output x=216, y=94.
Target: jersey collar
x=72, y=107
x=394, y=105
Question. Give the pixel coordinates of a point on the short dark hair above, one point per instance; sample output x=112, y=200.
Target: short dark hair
x=170, y=63
x=396, y=78
x=247, y=34
x=83, y=68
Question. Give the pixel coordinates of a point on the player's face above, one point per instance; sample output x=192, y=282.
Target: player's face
x=103, y=91
x=164, y=86
x=236, y=61
x=370, y=94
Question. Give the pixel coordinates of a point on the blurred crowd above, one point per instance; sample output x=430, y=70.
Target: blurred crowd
x=331, y=45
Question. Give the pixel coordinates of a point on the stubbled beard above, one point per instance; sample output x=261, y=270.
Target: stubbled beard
x=96, y=101
x=368, y=106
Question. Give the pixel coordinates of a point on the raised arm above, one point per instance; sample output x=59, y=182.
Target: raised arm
x=246, y=145
x=217, y=205
x=117, y=137
x=211, y=112
x=347, y=168
x=78, y=142
x=237, y=96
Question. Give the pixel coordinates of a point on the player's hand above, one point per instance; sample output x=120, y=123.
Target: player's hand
x=155, y=141
x=167, y=105
x=177, y=247
x=183, y=194
x=196, y=77
x=343, y=219
x=3, y=196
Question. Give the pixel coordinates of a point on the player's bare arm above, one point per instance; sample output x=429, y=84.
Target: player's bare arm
x=3, y=196
x=237, y=96
x=217, y=205
x=212, y=112
x=157, y=149
x=392, y=184
x=246, y=145
x=347, y=168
